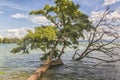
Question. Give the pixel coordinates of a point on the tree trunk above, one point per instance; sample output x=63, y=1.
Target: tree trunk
x=59, y=56
x=80, y=56
x=37, y=74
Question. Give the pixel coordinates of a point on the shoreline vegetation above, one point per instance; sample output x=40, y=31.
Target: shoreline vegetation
x=16, y=40
x=9, y=40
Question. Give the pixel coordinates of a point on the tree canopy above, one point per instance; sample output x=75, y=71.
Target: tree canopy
x=68, y=24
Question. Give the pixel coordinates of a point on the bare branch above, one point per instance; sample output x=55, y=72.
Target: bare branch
x=105, y=28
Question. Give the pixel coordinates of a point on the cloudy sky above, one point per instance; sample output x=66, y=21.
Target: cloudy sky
x=15, y=18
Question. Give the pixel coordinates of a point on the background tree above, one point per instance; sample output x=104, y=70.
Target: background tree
x=0, y=40
x=68, y=26
x=10, y=40
x=68, y=23
x=103, y=40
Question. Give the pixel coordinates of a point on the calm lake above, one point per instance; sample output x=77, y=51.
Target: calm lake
x=21, y=66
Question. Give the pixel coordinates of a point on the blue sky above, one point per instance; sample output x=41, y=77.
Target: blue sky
x=15, y=18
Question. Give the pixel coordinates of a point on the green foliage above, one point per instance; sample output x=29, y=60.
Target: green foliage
x=9, y=40
x=0, y=40
x=66, y=15
x=42, y=38
x=5, y=40
x=69, y=24
x=2, y=73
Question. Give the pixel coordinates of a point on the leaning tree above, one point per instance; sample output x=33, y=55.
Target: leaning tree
x=68, y=25
x=103, y=40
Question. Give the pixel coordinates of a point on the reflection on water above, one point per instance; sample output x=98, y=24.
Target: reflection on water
x=81, y=71
x=21, y=66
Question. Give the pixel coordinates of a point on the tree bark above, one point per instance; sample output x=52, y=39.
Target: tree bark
x=59, y=56
x=37, y=74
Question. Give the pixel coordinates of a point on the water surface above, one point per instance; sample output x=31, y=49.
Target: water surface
x=17, y=66
x=21, y=66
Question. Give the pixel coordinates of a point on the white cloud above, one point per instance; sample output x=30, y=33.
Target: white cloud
x=39, y=20
x=109, y=2
x=1, y=36
x=19, y=16
x=113, y=27
x=18, y=32
x=1, y=12
x=11, y=5
x=115, y=14
x=96, y=15
x=36, y=19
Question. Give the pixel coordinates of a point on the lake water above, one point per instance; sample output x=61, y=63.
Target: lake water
x=21, y=66
x=17, y=66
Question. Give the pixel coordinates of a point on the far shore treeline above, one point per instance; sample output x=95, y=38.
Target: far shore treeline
x=9, y=40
